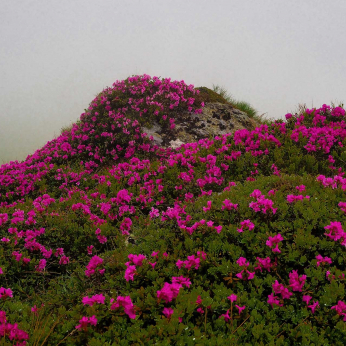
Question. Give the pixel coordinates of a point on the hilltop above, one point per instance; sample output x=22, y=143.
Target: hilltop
x=166, y=215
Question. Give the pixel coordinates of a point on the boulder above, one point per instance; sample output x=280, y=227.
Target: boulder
x=215, y=120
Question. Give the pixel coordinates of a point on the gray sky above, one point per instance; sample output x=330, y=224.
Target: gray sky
x=56, y=55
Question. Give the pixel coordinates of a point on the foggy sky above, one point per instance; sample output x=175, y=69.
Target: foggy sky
x=56, y=55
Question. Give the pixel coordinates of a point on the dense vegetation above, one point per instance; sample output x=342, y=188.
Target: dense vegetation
x=238, y=239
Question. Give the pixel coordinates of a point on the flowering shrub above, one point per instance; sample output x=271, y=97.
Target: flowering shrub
x=237, y=239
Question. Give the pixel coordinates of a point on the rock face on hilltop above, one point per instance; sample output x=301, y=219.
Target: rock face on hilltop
x=216, y=119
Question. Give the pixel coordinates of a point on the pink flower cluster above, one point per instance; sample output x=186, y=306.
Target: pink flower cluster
x=312, y=306
x=294, y=198
x=273, y=242
x=336, y=232
x=136, y=260
x=296, y=282
x=97, y=298
x=126, y=303
x=226, y=316
x=228, y=205
x=244, y=274
x=262, y=204
x=340, y=309
x=85, y=321
x=192, y=261
x=246, y=224
x=5, y=293
x=94, y=262
x=264, y=263
x=169, y=291
x=323, y=260
x=12, y=331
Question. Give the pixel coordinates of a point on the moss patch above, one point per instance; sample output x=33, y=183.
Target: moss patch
x=208, y=95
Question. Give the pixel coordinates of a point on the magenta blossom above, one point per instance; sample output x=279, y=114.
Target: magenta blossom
x=274, y=242
x=168, y=312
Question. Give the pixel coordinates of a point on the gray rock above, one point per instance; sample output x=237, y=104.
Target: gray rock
x=215, y=120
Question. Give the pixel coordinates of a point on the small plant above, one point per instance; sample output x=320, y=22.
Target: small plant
x=242, y=105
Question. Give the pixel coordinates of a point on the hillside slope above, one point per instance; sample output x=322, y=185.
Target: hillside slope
x=109, y=239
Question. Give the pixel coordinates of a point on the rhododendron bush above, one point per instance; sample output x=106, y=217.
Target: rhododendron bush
x=107, y=239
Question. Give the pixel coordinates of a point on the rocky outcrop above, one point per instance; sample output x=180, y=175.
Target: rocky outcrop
x=216, y=119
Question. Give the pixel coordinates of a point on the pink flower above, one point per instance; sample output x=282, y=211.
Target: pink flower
x=93, y=263
x=242, y=262
x=210, y=223
x=181, y=281
x=274, y=241
x=64, y=260
x=208, y=206
x=126, y=303
x=83, y=323
x=240, y=308
x=246, y=224
x=169, y=292
x=232, y=298
x=218, y=229
x=340, y=308
x=153, y=264
x=314, y=306
x=155, y=253
x=137, y=260
x=90, y=249
x=264, y=263
x=226, y=316
x=154, y=213
x=228, y=205
x=306, y=299
x=281, y=289
x=322, y=260
x=41, y=265
x=296, y=282
x=168, y=312
x=130, y=273
x=98, y=298
x=273, y=300
x=5, y=293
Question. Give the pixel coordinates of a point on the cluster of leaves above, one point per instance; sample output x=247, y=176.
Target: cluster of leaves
x=108, y=240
